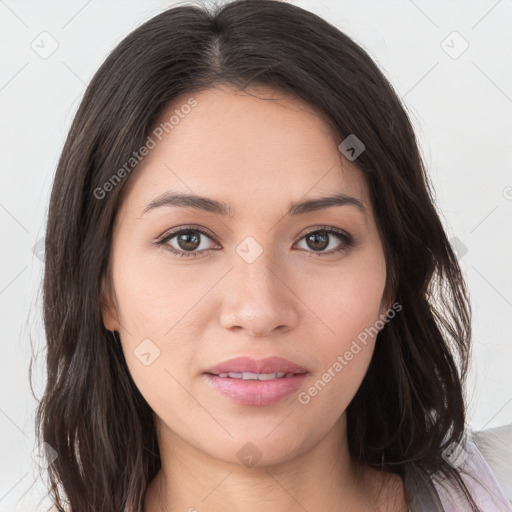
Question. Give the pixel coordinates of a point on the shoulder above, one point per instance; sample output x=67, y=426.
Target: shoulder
x=495, y=444
x=480, y=480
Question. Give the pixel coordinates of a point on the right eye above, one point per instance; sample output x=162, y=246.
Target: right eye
x=185, y=242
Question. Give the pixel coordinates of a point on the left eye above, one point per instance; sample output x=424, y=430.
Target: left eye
x=320, y=240
x=189, y=242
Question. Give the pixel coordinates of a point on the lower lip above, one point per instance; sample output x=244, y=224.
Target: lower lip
x=256, y=392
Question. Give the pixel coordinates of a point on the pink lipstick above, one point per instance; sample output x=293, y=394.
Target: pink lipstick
x=249, y=381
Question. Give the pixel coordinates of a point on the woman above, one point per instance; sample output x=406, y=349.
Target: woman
x=249, y=297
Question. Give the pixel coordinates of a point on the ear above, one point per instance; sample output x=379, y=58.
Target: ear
x=385, y=306
x=108, y=307
x=386, y=303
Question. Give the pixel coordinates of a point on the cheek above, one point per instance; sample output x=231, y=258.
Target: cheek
x=350, y=310
x=347, y=300
x=343, y=358
x=158, y=326
x=156, y=295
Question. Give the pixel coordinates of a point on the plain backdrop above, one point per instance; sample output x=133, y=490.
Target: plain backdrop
x=449, y=62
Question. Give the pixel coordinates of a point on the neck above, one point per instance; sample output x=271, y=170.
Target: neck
x=321, y=478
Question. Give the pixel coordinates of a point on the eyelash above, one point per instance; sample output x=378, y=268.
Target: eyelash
x=348, y=241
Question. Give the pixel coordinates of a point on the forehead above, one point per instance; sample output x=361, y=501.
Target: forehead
x=259, y=148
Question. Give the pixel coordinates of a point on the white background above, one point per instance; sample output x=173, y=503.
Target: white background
x=461, y=109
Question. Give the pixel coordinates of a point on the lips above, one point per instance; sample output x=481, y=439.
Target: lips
x=269, y=365
x=256, y=382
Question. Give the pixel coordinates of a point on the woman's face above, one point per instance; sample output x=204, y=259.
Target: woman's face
x=258, y=283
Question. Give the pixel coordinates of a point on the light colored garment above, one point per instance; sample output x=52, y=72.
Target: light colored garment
x=435, y=494
x=495, y=444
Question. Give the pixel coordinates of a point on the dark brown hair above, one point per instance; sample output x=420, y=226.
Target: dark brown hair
x=410, y=405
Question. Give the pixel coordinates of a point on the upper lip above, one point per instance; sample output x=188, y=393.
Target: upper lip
x=248, y=364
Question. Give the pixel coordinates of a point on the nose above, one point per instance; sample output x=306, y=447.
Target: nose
x=259, y=300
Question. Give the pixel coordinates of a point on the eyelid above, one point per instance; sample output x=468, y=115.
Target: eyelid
x=199, y=229
x=314, y=229
x=207, y=232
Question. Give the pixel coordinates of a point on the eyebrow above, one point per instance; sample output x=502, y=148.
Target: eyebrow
x=172, y=199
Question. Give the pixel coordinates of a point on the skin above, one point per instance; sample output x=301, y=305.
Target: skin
x=258, y=156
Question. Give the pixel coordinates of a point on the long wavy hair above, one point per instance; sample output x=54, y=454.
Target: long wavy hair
x=410, y=405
